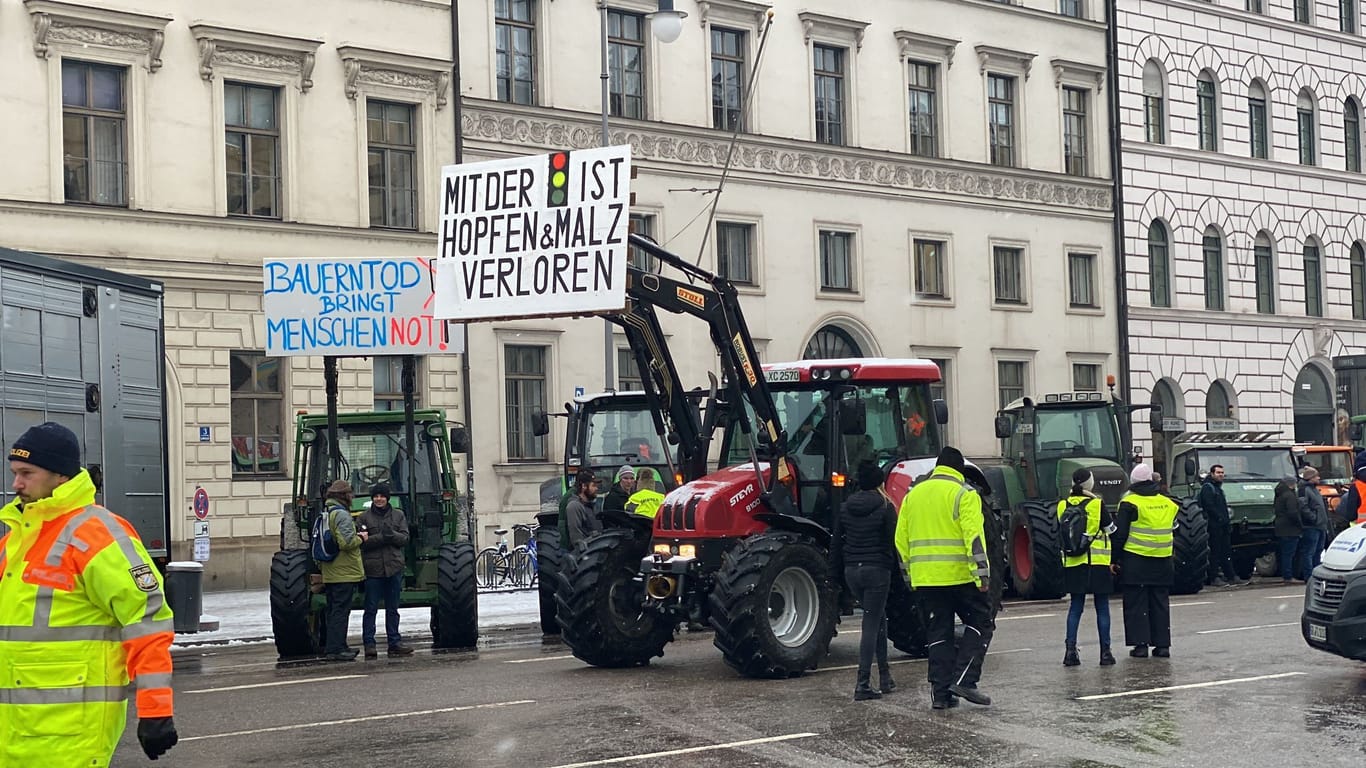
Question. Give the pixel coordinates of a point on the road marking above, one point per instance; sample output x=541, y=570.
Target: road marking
x=275, y=684
x=1295, y=596
x=1243, y=629
x=915, y=661
x=349, y=720
x=1030, y=616
x=1197, y=602
x=538, y=658
x=689, y=750
x=1211, y=684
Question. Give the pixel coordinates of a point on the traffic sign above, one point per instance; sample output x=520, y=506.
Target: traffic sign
x=201, y=529
x=201, y=504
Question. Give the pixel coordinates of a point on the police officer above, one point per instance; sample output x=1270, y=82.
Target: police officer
x=82, y=614
x=939, y=535
x=1146, y=571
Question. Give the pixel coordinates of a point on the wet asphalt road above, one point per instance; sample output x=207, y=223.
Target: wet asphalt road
x=524, y=704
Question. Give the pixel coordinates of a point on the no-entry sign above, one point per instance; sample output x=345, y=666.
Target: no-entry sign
x=534, y=236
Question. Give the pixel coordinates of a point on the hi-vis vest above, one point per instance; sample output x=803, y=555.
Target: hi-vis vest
x=939, y=532
x=1099, y=553
x=81, y=613
x=1150, y=535
x=1361, y=502
x=645, y=503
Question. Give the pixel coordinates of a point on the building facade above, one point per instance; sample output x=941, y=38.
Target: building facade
x=923, y=178
x=1245, y=241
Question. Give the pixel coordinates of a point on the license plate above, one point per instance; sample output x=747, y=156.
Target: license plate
x=1318, y=633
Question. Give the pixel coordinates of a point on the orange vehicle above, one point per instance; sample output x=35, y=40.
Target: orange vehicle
x=1334, y=463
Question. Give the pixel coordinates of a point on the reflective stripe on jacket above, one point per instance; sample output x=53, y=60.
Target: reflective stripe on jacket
x=82, y=613
x=1100, y=543
x=1150, y=534
x=939, y=532
x=645, y=503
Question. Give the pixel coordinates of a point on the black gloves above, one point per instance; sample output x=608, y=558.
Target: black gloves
x=157, y=735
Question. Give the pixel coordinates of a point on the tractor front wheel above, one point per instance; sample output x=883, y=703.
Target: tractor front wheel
x=548, y=557
x=295, y=624
x=1035, y=552
x=601, y=602
x=455, y=614
x=1190, y=549
x=905, y=623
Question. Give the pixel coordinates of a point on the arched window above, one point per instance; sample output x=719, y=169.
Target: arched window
x=1214, y=269
x=1219, y=403
x=1256, y=118
x=1358, y=279
x=1313, y=278
x=1154, y=103
x=1207, y=108
x=1308, y=128
x=1264, y=267
x=1351, y=134
x=1159, y=265
x=829, y=342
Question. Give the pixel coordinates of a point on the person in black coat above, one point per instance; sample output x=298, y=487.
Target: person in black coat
x=864, y=550
x=1143, y=541
x=1289, y=526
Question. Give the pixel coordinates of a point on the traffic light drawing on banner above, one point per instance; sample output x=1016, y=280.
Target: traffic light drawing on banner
x=558, y=187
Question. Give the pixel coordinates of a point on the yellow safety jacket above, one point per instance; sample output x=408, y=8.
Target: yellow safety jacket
x=939, y=532
x=645, y=503
x=1150, y=534
x=81, y=614
x=1099, y=553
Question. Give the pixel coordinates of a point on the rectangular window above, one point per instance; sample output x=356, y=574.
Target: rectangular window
x=1008, y=267
x=1085, y=377
x=524, y=375
x=929, y=269
x=1001, y=119
x=1313, y=282
x=829, y=66
x=642, y=224
x=1010, y=381
x=626, y=64
x=1214, y=273
x=94, y=133
x=1305, y=117
x=392, y=157
x=1255, y=6
x=1070, y=8
x=252, y=131
x=924, y=110
x=1302, y=11
x=728, y=75
x=515, y=33
x=628, y=373
x=735, y=252
x=388, y=383
x=1204, y=96
x=1154, y=118
x=1264, y=267
x=1074, y=143
x=258, y=406
x=1081, y=280
x=1347, y=16
x=1256, y=116
x=837, y=261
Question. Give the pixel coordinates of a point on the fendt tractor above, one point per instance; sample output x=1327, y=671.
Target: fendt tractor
x=412, y=452
x=1044, y=443
x=745, y=548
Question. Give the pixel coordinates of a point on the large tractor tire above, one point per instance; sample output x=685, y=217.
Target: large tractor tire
x=600, y=604
x=1035, y=552
x=455, y=614
x=774, y=606
x=548, y=556
x=905, y=623
x=295, y=625
x=1190, y=549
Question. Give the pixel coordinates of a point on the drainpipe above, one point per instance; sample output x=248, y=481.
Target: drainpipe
x=1117, y=178
x=458, y=113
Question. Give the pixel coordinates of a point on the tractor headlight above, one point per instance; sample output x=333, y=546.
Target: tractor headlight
x=662, y=549
x=687, y=550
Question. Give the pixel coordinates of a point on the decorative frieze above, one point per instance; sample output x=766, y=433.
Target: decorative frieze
x=79, y=26
x=255, y=50
x=367, y=66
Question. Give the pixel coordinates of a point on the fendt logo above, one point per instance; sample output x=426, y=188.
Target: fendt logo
x=1115, y=481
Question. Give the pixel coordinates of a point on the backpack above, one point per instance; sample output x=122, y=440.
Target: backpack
x=1072, y=530
x=323, y=546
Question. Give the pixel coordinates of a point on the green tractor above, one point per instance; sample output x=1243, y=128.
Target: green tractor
x=1044, y=443
x=365, y=449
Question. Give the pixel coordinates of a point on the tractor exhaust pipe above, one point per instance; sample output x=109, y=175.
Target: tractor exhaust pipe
x=661, y=587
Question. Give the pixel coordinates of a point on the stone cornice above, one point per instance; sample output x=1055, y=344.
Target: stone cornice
x=259, y=50
x=914, y=44
x=1078, y=70
x=832, y=26
x=991, y=57
x=729, y=10
x=536, y=129
x=396, y=70
x=79, y=25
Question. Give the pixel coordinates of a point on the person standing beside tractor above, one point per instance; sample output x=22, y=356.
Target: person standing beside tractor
x=1312, y=505
x=863, y=552
x=1143, y=533
x=647, y=498
x=939, y=534
x=623, y=485
x=1289, y=526
x=342, y=574
x=580, y=518
x=1215, y=506
x=1088, y=573
x=386, y=531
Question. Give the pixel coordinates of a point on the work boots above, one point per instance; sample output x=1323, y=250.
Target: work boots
x=1139, y=651
x=886, y=684
x=371, y=652
x=862, y=690
x=1070, y=658
x=400, y=650
x=1107, y=659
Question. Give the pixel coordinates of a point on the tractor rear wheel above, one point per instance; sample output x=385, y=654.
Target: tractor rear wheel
x=455, y=614
x=548, y=557
x=1190, y=549
x=905, y=624
x=773, y=606
x=601, y=600
x=1035, y=552
x=291, y=605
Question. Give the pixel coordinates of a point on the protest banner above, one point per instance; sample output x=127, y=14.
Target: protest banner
x=353, y=306
x=539, y=236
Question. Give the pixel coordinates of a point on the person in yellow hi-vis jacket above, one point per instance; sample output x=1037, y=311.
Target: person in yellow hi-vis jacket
x=647, y=498
x=1143, y=537
x=1089, y=572
x=939, y=536
x=82, y=613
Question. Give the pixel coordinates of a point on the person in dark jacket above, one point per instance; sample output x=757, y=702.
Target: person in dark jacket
x=382, y=556
x=581, y=519
x=1314, y=537
x=1088, y=573
x=1215, y=506
x=1288, y=526
x=1143, y=537
x=864, y=550
x=623, y=485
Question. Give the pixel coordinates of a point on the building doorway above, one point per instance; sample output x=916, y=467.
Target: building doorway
x=1313, y=407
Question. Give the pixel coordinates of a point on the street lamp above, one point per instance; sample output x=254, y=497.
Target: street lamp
x=666, y=24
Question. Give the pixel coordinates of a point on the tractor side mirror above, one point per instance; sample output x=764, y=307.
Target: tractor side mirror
x=941, y=412
x=460, y=440
x=1354, y=432
x=1155, y=418
x=1192, y=468
x=853, y=417
x=1003, y=427
x=540, y=424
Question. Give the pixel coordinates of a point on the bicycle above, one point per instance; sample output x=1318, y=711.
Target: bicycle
x=499, y=567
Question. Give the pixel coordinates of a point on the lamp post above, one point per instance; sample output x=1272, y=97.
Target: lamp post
x=666, y=24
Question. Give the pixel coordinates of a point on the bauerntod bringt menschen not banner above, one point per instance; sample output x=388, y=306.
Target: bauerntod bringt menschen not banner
x=534, y=236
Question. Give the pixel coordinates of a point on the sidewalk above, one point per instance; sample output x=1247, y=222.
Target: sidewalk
x=244, y=617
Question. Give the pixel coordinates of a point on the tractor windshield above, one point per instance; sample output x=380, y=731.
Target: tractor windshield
x=371, y=454
x=622, y=435
x=1249, y=463
x=1332, y=465
x=1088, y=432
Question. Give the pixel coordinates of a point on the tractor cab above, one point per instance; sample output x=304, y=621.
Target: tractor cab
x=1046, y=442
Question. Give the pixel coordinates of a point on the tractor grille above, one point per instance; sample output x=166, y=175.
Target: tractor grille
x=1325, y=595
x=679, y=516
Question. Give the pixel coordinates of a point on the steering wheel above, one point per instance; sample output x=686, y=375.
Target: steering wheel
x=373, y=473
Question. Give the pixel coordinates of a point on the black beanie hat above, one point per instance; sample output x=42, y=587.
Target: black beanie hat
x=952, y=458
x=379, y=489
x=50, y=446
x=869, y=476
